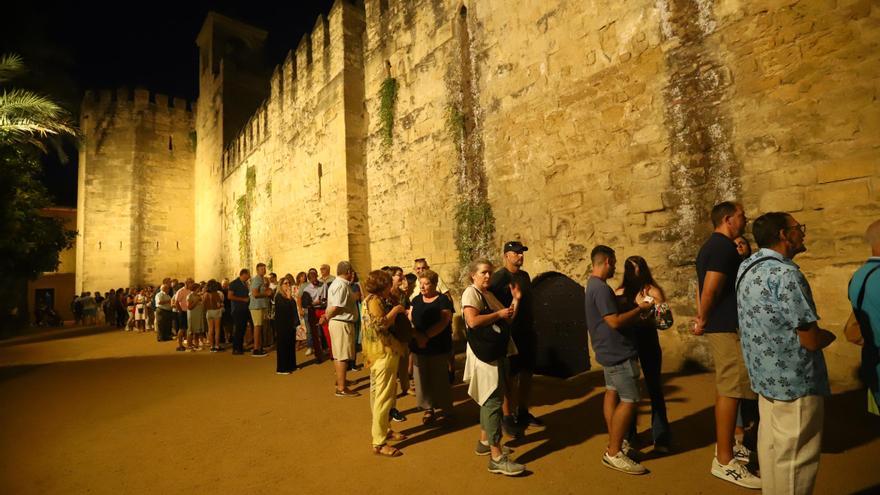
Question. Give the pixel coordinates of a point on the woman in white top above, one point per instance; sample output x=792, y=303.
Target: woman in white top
x=483, y=313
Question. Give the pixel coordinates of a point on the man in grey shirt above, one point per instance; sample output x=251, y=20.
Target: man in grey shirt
x=342, y=316
x=616, y=351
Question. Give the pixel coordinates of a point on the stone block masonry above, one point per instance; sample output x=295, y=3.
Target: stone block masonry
x=135, y=202
x=560, y=123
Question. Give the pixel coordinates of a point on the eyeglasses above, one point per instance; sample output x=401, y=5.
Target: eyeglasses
x=801, y=226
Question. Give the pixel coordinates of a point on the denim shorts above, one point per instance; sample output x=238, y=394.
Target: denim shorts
x=623, y=378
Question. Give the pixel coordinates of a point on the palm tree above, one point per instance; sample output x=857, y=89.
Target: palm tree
x=27, y=117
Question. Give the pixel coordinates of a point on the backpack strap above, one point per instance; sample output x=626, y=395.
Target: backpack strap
x=861, y=297
x=754, y=263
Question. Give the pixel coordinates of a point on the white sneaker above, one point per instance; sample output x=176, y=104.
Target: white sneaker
x=309, y=352
x=741, y=453
x=735, y=473
x=622, y=463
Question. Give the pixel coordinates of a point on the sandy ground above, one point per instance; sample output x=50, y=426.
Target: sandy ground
x=114, y=412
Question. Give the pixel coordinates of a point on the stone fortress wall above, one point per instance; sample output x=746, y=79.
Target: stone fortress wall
x=135, y=196
x=563, y=124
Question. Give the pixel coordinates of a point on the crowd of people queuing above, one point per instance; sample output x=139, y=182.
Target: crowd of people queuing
x=755, y=309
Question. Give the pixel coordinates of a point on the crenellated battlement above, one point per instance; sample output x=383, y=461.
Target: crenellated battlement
x=138, y=98
x=317, y=60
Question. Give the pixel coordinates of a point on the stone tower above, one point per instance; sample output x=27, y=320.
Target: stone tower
x=232, y=85
x=134, y=206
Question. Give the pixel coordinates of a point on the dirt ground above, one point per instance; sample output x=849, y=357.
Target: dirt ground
x=114, y=412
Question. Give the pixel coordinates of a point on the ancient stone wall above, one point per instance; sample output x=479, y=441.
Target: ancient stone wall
x=623, y=123
x=440, y=129
x=135, y=201
x=293, y=192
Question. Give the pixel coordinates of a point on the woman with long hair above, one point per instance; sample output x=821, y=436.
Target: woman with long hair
x=382, y=351
x=638, y=284
x=214, y=314
x=398, y=297
x=286, y=321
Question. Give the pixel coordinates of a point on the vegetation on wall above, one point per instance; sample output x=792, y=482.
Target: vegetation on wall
x=387, y=99
x=474, y=229
x=243, y=207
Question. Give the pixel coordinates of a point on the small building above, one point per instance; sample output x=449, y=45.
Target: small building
x=56, y=288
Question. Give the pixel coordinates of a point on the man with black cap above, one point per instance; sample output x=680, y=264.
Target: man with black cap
x=522, y=365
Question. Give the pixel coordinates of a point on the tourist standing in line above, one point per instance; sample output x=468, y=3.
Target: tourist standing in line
x=239, y=297
x=486, y=365
x=214, y=314
x=432, y=318
x=109, y=307
x=403, y=374
x=259, y=307
x=522, y=329
x=637, y=284
x=314, y=304
x=420, y=265
x=615, y=349
x=99, y=307
x=163, y=314
x=743, y=248
x=381, y=355
x=717, y=265
x=326, y=278
x=864, y=295
x=286, y=321
x=782, y=345
x=140, y=311
x=226, y=322
x=180, y=302
x=195, y=316
x=341, y=316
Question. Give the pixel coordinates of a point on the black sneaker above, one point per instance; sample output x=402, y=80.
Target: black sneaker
x=236, y=352
x=259, y=353
x=397, y=416
x=181, y=348
x=526, y=419
x=510, y=428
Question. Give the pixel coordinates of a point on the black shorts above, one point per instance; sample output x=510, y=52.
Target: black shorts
x=527, y=356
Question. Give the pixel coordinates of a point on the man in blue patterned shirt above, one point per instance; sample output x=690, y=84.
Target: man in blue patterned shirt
x=782, y=346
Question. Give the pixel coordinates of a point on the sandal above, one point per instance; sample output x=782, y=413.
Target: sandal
x=428, y=417
x=395, y=436
x=387, y=451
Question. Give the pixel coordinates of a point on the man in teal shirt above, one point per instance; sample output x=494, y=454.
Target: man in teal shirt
x=865, y=285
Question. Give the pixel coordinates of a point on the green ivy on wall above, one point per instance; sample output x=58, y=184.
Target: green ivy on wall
x=474, y=229
x=243, y=207
x=387, y=99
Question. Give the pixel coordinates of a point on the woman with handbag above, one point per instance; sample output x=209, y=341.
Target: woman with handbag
x=638, y=284
x=382, y=351
x=486, y=367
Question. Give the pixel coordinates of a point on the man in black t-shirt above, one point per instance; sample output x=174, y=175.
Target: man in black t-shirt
x=239, y=297
x=717, y=265
x=522, y=365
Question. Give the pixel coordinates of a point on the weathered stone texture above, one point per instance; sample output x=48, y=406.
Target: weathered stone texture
x=609, y=122
x=134, y=213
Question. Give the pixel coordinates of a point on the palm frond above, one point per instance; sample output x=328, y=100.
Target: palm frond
x=11, y=65
x=25, y=113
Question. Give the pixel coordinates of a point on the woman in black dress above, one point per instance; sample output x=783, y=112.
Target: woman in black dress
x=286, y=321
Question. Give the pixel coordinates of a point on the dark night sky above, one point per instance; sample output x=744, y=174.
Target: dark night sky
x=73, y=46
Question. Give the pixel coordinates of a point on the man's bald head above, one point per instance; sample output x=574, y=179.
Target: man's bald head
x=872, y=236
